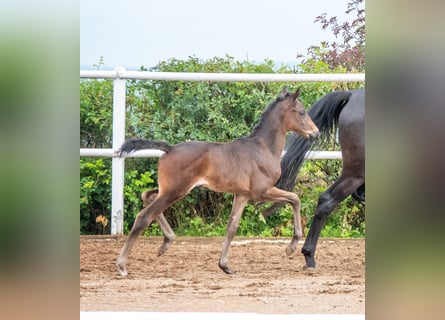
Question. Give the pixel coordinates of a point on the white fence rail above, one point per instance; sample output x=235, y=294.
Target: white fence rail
x=111, y=153
x=120, y=75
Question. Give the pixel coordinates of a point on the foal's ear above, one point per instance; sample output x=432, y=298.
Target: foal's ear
x=283, y=93
x=296, y=94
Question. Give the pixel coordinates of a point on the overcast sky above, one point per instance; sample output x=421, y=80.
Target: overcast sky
x=133, y=33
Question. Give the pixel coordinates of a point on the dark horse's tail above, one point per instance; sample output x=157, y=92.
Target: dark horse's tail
x=324, y=113
x=134, y=144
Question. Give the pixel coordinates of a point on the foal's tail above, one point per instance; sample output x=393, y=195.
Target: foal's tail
x=134, y=144
x=324, y=114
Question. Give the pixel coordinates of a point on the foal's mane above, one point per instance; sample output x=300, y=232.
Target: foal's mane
x=266, y=114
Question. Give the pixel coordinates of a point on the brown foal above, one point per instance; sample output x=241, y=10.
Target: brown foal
x=248, y=167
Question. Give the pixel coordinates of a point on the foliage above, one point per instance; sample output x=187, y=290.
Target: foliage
x=176, y=111
x=96, y=105
x=95, y=196
x=349, y=53
x=95, y=193
x=182, y=110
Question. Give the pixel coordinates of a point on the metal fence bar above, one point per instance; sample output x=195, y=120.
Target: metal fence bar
x=98, y=74
x=148, y=153
x=197, y=76
x=254, y=77
x=120, y=75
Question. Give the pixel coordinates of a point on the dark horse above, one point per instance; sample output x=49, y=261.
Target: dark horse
x=344, y=110
x=248, y=167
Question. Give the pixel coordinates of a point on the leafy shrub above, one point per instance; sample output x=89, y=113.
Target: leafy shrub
x=95, y=195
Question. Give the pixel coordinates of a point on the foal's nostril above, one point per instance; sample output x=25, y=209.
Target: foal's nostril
x=314, y=135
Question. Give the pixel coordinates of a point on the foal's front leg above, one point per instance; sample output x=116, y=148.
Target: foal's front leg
x=239, y=202
x=277, y=195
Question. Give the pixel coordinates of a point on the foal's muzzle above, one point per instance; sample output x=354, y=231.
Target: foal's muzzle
x=314, y=135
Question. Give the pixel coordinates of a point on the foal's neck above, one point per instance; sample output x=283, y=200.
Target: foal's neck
x=271, y=133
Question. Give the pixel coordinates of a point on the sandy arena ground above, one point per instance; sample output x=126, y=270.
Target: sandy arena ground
x=187, y=277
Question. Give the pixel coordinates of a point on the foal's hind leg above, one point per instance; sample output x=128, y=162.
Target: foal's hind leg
x=143, y=219
x=327, y=202
x=169, y=235
x=148, y=197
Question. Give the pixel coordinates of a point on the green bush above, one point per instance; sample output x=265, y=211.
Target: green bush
x=95, y=195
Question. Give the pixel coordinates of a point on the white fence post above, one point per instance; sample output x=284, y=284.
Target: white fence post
x=118, y=164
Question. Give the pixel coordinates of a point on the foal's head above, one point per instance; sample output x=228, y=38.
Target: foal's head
x=295, y=117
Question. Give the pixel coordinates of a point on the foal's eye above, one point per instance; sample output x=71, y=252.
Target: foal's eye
x=302, y=113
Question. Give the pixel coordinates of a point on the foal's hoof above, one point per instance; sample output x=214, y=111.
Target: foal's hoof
x=226, y=269
x=164, y=247
x=162, y=250
x=289, y=250
x=122, y=269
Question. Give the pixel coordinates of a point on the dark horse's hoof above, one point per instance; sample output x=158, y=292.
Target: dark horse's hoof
x=311, y=271
x=309, y=257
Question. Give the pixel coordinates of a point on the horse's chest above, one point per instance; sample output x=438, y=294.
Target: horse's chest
x=268, y=170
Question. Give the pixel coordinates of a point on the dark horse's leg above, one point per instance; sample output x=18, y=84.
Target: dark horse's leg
x=327, y=202
x=359, y=194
